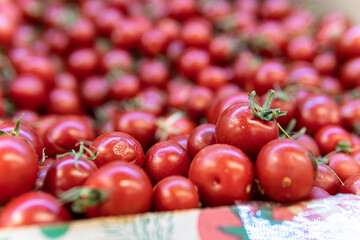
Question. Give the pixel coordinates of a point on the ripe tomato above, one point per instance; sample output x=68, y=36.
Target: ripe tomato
x=343, y=165
x=128, y=186
x=316, y=111
x=117, y=146
x=328, y=137
x=223, y=175
x=27, y=133
x=351, y=185
x=202, y=136
x=66, y=173
x=33, y=208
x=327, y=180
x=166, y=158
x=19, y=167
x=175, y=193
x=285, y=170
x=238, y=126
x=64, y=133
x=139, y=124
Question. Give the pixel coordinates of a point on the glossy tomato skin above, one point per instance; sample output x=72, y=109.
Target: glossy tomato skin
x=285, y=170
x=63, y=174
x=33, y=208
x=238, y=127
x=138, y=123
x=117, y=146
x=65, y=133
x=165, y=159
x=202, y=136
x=309, y=143
x=19, y=167
x=223, y=175
x=327, y=180
x=343, y=165
x=350, y=113
x=129, y=187
x=329, y=136
x=351, y=185
x=175, y=193
x=317, y=111
x=27, y=133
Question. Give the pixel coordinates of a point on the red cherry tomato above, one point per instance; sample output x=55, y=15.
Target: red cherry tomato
x=139, y=124
x=117, y=146
x=19, y=167
x=33, y=208
x=64, y=133
x=202, y=136
x=128, y=186
x=285, y=170
x=175, y=193
x=317, y=111
x=328, y=137
x=343, y=165
x=27, y=133
x=165, y=159
x=223, y=175
x=351, y=185
x=64, y=174
x=326, y=180
x=238, y=126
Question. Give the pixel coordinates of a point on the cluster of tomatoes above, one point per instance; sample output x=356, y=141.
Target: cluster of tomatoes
x=116, y=107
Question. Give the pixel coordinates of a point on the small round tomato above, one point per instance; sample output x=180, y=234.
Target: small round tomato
x=350, y=114
x=33, y=208
x=139, y=124
x=285, y=170
x=343, y=165
x=117, y=146
x=66, y=173
x=351, y=185
x=64, y=133
x=223, y=175
x=175, y=193
x=222, y=103
x=182, y=140
x=328, y=137
x=316, y=111
x=309, y=143
x=28, y=91
x=19, y=167
x=238, y=126
x=326, y=180
x=26, y=133
x=269, y=75
x=202, y=136
x=128, y=186
x=166, y=158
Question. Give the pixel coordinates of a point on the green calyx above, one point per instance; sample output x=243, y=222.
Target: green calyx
x=264, y=112
x=81, y=153
x=82, y=198
x=340, y=147
x=15, y=131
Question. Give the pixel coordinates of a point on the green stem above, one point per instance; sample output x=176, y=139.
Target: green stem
x=284, y=132
x=328, y=168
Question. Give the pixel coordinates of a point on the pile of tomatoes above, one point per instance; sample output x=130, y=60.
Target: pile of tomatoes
x=117, y=107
